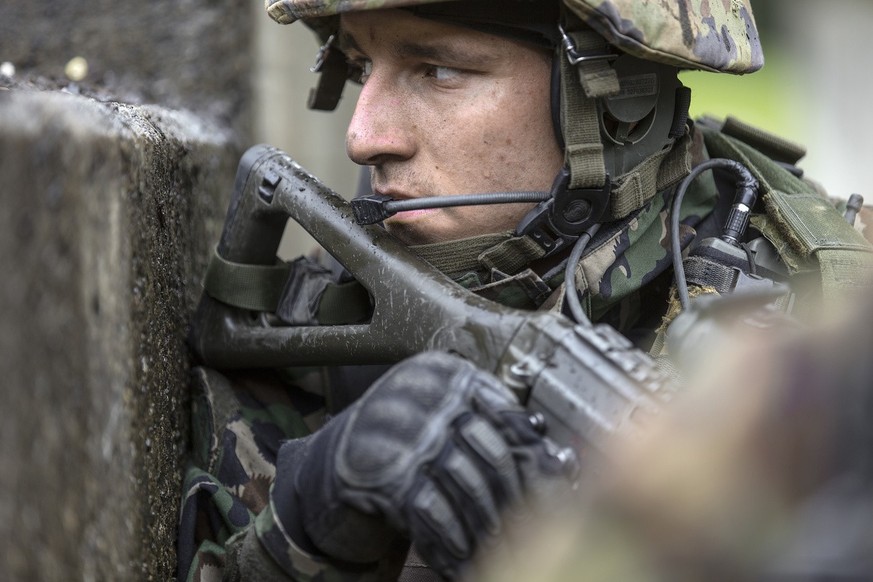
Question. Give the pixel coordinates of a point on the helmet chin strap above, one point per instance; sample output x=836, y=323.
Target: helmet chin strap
x=616, y=117
x=582, y=73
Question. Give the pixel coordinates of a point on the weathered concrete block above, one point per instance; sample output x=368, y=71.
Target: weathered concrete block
x=192, y=54
x=108, y=211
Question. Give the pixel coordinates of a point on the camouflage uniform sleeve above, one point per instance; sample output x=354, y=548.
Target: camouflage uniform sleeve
x=226, y=528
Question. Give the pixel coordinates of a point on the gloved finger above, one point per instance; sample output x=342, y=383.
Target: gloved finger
x=486, y=446
x=434, y=525
x=472, y=487
x=468, y=484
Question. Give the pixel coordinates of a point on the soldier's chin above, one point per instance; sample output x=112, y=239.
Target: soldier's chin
x=416, y=227
x=409, y=216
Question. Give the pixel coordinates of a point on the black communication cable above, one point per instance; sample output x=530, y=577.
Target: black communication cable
x=376, y=208
x=571, y=295
x=747, y=188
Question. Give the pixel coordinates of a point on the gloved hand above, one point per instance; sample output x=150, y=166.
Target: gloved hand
x=434, y=450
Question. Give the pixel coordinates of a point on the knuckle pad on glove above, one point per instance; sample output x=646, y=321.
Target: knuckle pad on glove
x=429, y=448
x=401, y=423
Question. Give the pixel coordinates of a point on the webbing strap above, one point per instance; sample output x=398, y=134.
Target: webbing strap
x=256, y=287
x=512, y=255
x=771, y=145
x=701, y=271
x=343, y=303
x=503, y=251
x=596, y=76
x=260, y=288
x=579, y=119
x=655, y=174
x=581, y=126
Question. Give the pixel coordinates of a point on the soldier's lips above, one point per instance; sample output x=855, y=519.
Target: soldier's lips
x=407, y=215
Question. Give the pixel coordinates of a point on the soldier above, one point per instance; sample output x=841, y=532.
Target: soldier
x=579, y=100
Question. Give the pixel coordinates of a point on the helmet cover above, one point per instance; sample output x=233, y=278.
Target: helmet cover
x=712, y=35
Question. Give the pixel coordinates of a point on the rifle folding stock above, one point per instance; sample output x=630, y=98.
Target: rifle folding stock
x=588, y=381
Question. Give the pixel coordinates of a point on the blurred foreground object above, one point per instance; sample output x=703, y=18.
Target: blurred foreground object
x=762, y=471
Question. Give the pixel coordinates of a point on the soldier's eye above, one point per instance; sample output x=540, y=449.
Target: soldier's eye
x=442, y=73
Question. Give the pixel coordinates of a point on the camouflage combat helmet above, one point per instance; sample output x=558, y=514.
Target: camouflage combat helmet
x=713, y=35
x=618, y=108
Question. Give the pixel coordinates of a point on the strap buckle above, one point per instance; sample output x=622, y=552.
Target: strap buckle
x=321, y=57
x=575, y=56
x=331, y=63
x=557, y=222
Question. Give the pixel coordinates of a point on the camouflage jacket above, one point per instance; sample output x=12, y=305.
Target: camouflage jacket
x=227, y=530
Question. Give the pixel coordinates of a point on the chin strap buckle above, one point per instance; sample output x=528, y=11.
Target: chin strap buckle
x=557, y=222
x=331, y=64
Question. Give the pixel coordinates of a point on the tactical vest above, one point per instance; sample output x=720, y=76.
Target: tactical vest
x=809, y=234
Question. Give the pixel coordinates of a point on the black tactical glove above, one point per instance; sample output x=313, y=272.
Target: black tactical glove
x=434, y=450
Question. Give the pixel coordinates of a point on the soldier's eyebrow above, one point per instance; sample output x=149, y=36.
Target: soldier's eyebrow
x=447, y=52
x=451, y=52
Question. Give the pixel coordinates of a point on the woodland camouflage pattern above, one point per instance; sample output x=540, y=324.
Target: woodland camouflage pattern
x=712, y=35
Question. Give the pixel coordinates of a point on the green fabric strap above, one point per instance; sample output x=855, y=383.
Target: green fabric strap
x=800, y=221
x=655, y=174
x=583, y=146
x=343, y=303
x=502, y=251
x=260, y=287
x=512, y=255
x=772, y=146
x=596, y=76
x=256, y=287
x=583, y=150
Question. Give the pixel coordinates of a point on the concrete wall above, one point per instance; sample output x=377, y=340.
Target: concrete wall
x=193, y=54
x=113, y=188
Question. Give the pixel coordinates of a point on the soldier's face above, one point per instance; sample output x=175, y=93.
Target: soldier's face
x=448, y=110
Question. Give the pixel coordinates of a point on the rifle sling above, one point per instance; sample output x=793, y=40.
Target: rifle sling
x=255, y=287
x=300, y=292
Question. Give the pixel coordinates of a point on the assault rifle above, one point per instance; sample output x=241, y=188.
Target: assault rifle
x=587, y=381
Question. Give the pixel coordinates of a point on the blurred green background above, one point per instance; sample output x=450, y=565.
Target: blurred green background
x=762, y=98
